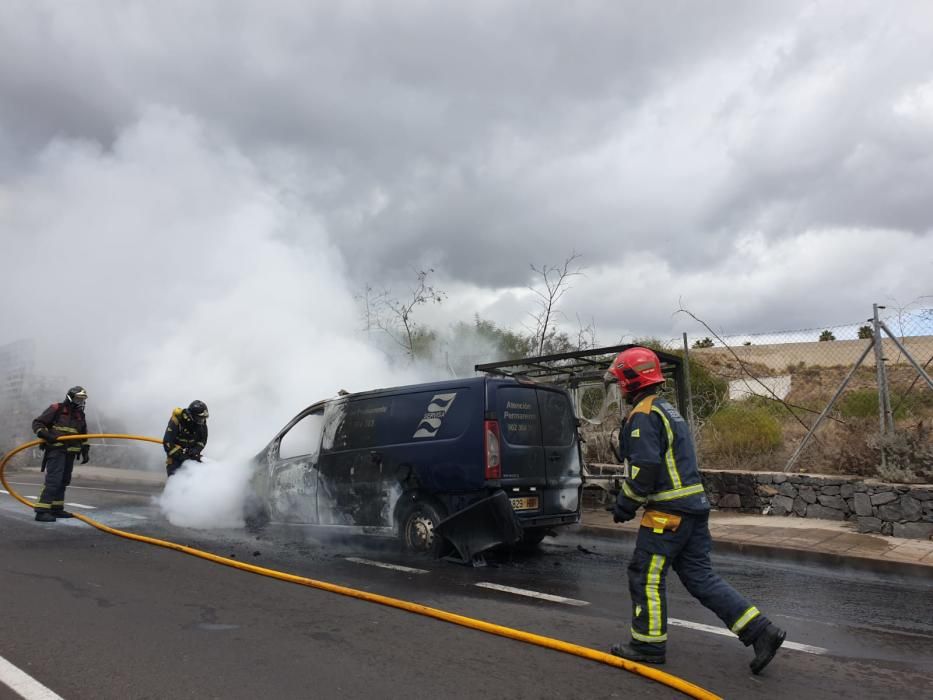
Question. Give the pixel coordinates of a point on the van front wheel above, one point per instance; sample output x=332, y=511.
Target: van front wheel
x=417, y=530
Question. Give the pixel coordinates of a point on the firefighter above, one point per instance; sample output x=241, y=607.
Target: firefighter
x=186, y=435
x=665, y=479
x=59, y=419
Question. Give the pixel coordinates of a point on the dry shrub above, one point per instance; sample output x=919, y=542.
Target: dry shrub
x=737, y=434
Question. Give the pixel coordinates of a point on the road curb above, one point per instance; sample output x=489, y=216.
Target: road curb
x=802, y=556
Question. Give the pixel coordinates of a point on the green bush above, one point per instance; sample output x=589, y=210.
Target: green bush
x=863, y=403
x=738, y=430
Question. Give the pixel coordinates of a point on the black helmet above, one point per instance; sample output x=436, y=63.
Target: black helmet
x=77, y=396
x=198, y=411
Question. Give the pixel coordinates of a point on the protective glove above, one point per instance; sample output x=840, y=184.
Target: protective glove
x=620, y=514
x=193, y=455
x=85, y=454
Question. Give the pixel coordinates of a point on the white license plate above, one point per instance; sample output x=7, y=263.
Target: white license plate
x=525, y=503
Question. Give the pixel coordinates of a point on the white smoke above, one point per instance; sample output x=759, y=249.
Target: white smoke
x=167, y=267
x=208, y=494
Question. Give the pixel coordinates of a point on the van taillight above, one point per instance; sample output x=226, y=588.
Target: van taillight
x=493, y=455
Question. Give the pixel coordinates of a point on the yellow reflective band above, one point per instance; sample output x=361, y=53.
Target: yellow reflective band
x=64, y=429
x=657, y=639
x=653, y=594
x=627, y=490
x=674, y=494
x=58, y=503
x=174, y=450
x=669, y=454
x=43, y=504
x=635, y=470
x=747, y=617
x=636, y=432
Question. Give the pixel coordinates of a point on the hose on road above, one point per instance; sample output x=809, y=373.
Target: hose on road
x=654, y=674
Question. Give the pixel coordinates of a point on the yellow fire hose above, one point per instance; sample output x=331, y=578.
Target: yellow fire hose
x=654, y=674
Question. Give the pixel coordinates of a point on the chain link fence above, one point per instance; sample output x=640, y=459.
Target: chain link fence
x=852, y=399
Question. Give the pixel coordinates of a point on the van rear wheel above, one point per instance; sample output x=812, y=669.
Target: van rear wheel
x=532, y=536
x=417, y=529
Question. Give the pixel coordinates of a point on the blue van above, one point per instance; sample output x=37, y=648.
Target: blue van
x=404, y=460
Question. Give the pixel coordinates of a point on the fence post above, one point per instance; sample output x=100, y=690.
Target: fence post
x=690, y=419
x=884, y=407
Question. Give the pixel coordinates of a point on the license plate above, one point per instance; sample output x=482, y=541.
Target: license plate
x=525, y=503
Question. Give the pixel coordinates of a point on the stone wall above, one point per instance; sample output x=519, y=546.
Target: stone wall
x=874, y=506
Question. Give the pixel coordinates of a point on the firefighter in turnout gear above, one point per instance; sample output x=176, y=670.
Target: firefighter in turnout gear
x=59, y=419
x=665, y=480
x=186, y=435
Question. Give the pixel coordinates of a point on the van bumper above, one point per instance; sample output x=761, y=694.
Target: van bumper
x=549, y=520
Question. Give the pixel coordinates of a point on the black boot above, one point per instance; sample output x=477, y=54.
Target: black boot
x=62, y=514
x=766, y=645
x=44, y=516
x=625, y=651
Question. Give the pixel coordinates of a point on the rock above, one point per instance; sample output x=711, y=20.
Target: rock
x=902, y=489
x=833, y=502
x=891, y=511
x=862, y=504
x=918, y=531
x=922, y=494
x=800, y=507
x=808, y=494
x=730, y=500
x=764, y=478
x=911, y=508
x=880, y=499
x=713, y=497
x=887, y=528
x=868, y=525
x=782, y=505
x=767, y=491
x=847, y=490
x=831, y=490
x=788, y=490
x=780, y=478
x=815, y=510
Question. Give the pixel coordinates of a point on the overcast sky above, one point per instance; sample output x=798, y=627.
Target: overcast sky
x=770, y=164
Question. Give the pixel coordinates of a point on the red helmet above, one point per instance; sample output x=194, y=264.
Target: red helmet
x=636, y=369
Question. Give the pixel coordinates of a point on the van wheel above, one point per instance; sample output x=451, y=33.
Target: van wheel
x=417, y=530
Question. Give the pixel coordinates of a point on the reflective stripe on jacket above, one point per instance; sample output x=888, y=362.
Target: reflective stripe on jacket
x=182, y=434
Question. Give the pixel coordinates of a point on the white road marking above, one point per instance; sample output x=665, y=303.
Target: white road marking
x=726, y=633
x=384, y=565
x=81, y=505
x=131, y=515
x=88, y=488
x=532, y=594
x=23, y=684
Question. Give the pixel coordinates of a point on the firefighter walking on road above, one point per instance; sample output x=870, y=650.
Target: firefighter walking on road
x=58, y=420
x=674, y=533
x=186, y=435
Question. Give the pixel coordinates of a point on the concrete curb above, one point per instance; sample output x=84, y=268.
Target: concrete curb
x=796, y=555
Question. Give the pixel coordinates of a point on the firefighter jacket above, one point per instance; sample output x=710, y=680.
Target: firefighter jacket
x=183, y=437
x=656, y=441
x=61, y=419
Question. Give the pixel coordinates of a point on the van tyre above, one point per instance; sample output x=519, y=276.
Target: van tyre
x=417, y=530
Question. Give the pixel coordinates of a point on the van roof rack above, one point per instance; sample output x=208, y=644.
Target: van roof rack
x=582, y=367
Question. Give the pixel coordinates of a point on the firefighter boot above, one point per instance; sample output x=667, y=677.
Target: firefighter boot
x=625, y=651
x=766, y=645
x=62, y=514
x=44, y=516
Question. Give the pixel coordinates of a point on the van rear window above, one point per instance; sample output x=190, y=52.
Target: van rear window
x=557, y=419
x=519, y=423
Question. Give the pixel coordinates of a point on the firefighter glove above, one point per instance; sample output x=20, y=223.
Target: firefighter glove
x=85, y=454
x=620, y=514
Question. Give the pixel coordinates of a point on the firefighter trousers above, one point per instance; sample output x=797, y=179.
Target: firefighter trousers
x=58, y=465
x=687, y=550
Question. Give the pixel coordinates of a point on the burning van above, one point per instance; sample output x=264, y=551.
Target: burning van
x=469, y=462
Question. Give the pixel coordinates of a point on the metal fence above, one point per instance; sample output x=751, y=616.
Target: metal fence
x=853, y=398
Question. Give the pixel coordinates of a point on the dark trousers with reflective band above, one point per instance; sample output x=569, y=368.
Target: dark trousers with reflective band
x=173, y=464
x=687, y=550
x=58, y=465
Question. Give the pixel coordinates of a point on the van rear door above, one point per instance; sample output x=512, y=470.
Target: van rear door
x=516, y=409
x=559, y=438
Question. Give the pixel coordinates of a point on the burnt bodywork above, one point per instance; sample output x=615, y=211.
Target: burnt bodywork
x=370, y=460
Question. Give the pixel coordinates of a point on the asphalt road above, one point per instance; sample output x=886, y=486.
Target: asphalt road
x=90, y=615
